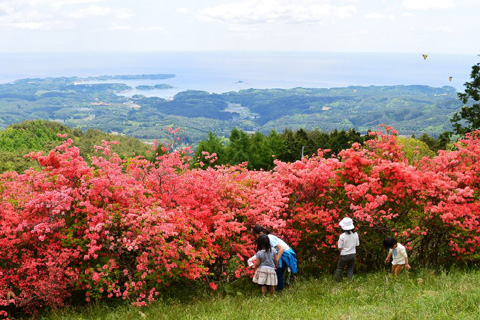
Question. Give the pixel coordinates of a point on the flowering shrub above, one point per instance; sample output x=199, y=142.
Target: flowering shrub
x=127, y=228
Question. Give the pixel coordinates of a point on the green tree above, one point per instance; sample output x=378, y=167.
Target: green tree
x=213, y=144
x=292, y=152
x=238, y=147
x=275, y=143
x=468, y=118
x=415, y=149
x=441, y=143
x=304, y=143
x=260, y=155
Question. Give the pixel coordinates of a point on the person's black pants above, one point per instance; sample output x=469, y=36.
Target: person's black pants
x=348, y=261
x=280, y=272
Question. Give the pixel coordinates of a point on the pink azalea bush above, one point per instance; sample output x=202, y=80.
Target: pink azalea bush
x=128, y=228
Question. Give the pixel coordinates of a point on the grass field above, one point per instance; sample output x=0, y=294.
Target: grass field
x=420, y=295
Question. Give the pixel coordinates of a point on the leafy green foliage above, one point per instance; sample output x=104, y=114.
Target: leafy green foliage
x=40, y=135
x=468, y=118
x=259, y=150
x=415, y=149
x=441, y=143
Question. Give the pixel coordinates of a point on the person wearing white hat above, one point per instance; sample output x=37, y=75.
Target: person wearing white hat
x=347, y=244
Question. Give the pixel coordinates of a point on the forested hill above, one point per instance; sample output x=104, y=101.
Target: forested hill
x=39, y=135
x=73, y=102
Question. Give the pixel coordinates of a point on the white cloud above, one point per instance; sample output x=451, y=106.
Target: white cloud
x=269, y=11
x=30, y=19
x=428, y=4
x=55, y=15
x=138, y=28
x=123, y=14
x=442, y=29
x=29, y=25
x=90, y=11
x=374, y=15
x=120, y=28
x=47, y=3
x=98, y=11
x=182, y=10
x=151, y=28
x=61, y=3
x=248, y=29
x=33, y=22
x=37, y=25
x=6, y=9
x=378, y=16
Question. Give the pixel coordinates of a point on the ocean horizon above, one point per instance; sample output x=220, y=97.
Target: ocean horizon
x=219, y=72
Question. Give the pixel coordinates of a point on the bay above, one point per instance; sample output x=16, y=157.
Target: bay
x=219, y=72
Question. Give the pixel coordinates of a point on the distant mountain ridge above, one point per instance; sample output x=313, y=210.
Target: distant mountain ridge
x=410, y=109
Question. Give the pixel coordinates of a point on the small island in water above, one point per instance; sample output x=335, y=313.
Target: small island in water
x=132, y=77
x=161, y=86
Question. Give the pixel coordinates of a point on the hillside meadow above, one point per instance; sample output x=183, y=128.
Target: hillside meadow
x=422, y=294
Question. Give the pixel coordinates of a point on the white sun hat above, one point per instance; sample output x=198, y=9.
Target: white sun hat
x=347, y=224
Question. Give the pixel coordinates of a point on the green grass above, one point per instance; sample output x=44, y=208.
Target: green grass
x=422, y=295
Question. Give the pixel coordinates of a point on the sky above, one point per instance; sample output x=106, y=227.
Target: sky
x=414, y=26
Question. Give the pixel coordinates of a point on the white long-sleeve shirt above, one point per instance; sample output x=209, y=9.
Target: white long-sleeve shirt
x=348, y=243
x=401, y=254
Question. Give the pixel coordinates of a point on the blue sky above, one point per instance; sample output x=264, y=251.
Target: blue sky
x=430, y=26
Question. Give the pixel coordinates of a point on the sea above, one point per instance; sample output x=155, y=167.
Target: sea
x=218, y=72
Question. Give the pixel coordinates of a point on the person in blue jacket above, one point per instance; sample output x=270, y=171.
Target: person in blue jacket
x=286, y=257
